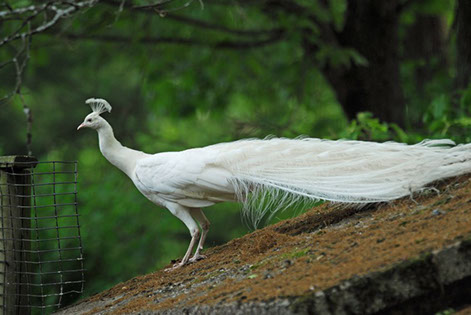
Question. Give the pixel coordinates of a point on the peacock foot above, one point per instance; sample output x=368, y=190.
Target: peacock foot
x=176, y=266
x=197, y=257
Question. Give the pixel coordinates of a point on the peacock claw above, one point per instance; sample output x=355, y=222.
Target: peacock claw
x=174, y=267
x=197, y=257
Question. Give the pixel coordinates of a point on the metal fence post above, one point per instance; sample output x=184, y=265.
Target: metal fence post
x=15, y=229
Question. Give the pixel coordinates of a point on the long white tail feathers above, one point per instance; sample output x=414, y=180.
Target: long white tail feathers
x=274, y=174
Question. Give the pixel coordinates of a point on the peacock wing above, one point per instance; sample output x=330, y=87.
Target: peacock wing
x=192, y=178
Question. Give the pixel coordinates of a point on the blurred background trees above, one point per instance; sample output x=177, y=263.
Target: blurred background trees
x=182, y=74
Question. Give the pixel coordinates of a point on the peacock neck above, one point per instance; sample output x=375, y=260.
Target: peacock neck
x=117, y=154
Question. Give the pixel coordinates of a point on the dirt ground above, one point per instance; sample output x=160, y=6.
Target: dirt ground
x=305, y=254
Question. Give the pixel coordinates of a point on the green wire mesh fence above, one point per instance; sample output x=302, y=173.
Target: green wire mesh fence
x=41, y=257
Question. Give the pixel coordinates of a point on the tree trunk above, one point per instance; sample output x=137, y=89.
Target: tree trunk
x=463, y=44
x=371, y=28
x=425, y=42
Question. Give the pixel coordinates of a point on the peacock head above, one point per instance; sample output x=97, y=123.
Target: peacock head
x=94, y=120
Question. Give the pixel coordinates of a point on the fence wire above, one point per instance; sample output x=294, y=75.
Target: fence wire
x=41, y=257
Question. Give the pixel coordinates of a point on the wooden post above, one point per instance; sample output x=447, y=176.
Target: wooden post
x=15, y=233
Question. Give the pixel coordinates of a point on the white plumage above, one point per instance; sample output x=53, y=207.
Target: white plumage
x=268, y=175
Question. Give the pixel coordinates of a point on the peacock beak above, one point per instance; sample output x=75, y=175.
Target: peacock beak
x=81, y=126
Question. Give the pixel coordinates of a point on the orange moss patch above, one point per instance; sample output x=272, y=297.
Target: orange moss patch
x=464, y=311
x=311, y=252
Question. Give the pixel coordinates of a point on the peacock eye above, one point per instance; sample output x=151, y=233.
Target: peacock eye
x=89, y=120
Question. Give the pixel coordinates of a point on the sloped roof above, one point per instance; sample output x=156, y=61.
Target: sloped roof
x=332, y=259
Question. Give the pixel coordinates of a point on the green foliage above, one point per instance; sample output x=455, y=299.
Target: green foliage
x=339, y=57
x=450, y=118
x=448, y=311
x=442, y=119
x=366, y=127
x=338, y=9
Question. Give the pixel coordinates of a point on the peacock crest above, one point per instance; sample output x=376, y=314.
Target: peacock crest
x=99, y=105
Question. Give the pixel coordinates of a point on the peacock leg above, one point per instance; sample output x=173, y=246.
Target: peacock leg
x=183, y=214
x=199, y=216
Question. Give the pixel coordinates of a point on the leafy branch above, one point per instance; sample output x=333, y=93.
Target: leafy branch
x=59, y=10
x=222, y=44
